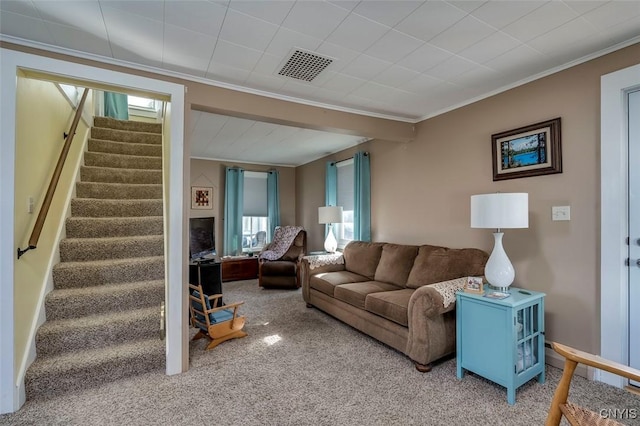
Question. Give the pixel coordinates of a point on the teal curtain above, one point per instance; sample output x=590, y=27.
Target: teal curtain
x=116, y=105
x=233, y=207
x=361, y=197
x=331, y=189
x=273, y=203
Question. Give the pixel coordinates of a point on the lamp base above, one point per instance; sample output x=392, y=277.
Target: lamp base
x=499, y=270
x=330, y=243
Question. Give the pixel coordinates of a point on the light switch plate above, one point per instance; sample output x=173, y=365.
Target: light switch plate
x=561, y=213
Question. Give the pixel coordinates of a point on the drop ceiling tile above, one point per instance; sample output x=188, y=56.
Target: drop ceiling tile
x=624, y=31
x=462, y=34
x=268, y=83
x=198, y=16
x=235, y=56
x=547, y=17
x=125, y=29
x=315, y=18
x=425, y=57
x=268, y=65
x=584, y=6
x=482, y=78
x=324, y=94
x=386, y=12
x=286, y=39
x=466, y=5
x=25, y=27
x=82, y=41
x=519, y=63
x=85, y=15
x=420, y=84
x=138, y=54
x=270, y=11
x=297, y=88
x=341, y=55
x=374, y=91
x=21, y=7
x=366, y=67
x=613, y=13
x=348, y=5
x=227, y=74
x=187, y=65
x=147, y=9
x=450, y=68
x=247, y=31
x=343, y=83
x=357, y=33
x=393, y=46
x=430, y=19
x=490, y=47
x=570, y=33
x=179, y=41
x=499, y=14
x=395, y=76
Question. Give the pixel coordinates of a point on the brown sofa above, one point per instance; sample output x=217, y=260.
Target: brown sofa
x=395, y=293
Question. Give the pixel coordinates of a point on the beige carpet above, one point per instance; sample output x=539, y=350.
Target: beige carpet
x=298, y=366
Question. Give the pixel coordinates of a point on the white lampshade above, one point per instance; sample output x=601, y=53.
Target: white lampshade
x=330, y=214
x=500, y=210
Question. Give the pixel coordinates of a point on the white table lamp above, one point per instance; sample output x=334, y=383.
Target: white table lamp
x=500, y=210
x=330, y=215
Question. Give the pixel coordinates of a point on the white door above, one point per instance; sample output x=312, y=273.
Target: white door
x=634, y=231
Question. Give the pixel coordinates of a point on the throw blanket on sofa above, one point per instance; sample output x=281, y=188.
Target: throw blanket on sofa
x=282, y=239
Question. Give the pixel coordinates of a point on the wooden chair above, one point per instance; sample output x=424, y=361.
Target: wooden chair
x=218, y=324
x=575, y=414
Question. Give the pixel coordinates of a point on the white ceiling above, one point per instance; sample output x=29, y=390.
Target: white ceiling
x=406, y=60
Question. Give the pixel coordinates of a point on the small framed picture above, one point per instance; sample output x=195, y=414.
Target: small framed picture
x=473, y=285
x=201, y=197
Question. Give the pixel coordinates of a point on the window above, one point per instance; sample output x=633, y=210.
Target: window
x=255, y=212
x=345, y=198
x=142, y=103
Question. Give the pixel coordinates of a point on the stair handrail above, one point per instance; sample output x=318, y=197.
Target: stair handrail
x=53, y=184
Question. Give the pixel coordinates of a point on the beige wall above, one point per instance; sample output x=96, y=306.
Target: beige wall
x=210, y=173
x=43, y=114
x=421, y=190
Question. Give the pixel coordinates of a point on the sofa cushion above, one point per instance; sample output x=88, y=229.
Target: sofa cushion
x=326, y=282
x=356, y=293
x=395, y=264
x=391, y=305
x=362, y=257
x=434, y=264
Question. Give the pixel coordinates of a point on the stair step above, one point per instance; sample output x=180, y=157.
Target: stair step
x=100, y=272
x=50, y=377
x=96, y=331
x=69, y=303
x=135, y=126
x=87, y=249
x=126, y=148
x=101, y=159
x=125, y=136
x=92, y=227
x=119, y=175
x=114, y=191
x=93, y=207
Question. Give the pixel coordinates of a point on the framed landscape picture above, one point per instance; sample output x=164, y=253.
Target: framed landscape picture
x=201, y=197
x=532, y=150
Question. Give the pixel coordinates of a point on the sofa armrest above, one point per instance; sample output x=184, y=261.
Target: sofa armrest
x=306, y=272
x=429, y=302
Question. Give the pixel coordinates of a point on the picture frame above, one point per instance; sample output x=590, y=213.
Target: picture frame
x=474, y=285
x=532, y=150
x=201, y=197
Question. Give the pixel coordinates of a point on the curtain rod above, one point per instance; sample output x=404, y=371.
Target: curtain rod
x=366, y=154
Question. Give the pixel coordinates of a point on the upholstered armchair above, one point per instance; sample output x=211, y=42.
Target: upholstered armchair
x=279, y=261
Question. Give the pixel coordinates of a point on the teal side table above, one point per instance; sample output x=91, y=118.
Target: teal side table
x=501, y=340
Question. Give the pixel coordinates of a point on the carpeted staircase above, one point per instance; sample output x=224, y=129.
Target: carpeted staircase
x=103, y=316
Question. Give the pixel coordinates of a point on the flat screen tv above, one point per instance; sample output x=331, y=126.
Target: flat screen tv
x=202, y=238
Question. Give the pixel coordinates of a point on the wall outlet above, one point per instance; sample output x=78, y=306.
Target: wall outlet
x=561, y=213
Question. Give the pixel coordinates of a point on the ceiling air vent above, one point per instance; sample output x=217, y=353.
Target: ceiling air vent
x=303, y=65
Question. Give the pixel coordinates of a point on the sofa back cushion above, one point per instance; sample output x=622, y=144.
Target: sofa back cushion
x=395, y=264
x=362, y=257
x=434, y=264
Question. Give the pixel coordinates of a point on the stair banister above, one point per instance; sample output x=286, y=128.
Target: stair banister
x=46, y=204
